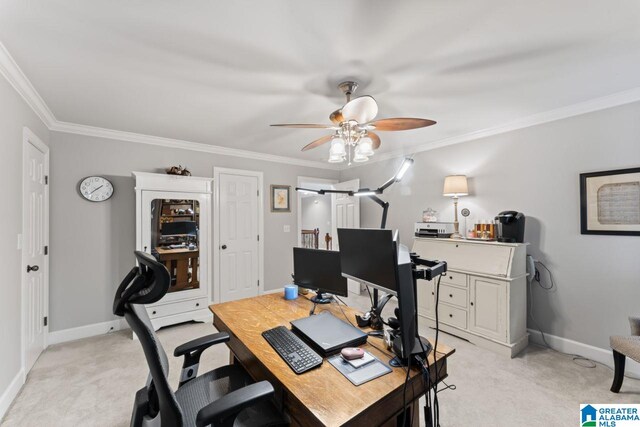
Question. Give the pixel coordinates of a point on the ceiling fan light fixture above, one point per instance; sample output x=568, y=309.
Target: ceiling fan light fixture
x=358, y=157
x=337, y=148
x=365, y=146
x=336, y=159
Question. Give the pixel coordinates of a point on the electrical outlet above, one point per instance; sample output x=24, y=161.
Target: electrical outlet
x=19, y=241
x=287, y=228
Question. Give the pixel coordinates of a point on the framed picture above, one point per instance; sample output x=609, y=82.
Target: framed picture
x=610, y=202
x=280, y=198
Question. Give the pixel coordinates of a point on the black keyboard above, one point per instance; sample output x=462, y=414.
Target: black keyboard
x=298, y=355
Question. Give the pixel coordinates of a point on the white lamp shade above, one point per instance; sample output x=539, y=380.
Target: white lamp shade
x=337, y=147
x=365, y=146
x=336, y=159
x=358, y=156
x=455, y=186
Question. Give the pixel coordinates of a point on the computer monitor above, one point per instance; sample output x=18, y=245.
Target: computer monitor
x=319, y=270
x=370, y=256
x=179, y=228
x=376, y=258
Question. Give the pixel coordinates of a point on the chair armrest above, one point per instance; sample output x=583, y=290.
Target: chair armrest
x=201, y=343
x=224, y=411
x=192, y=351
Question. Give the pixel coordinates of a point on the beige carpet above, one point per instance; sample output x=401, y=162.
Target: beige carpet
x=92, y=382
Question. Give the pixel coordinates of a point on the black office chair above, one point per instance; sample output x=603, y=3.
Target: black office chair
x=225, y=396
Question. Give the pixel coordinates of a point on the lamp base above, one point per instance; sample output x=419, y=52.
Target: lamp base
x=456, y=236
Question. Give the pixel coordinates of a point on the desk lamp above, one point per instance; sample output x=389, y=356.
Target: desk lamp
x=373, y=195
x=455, y=186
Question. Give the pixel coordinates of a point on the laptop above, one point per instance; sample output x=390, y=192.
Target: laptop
x=327, y=334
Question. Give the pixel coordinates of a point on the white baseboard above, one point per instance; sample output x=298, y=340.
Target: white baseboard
x=597, y=354
x=273, y=291
x=11, y=392
x=86, y=331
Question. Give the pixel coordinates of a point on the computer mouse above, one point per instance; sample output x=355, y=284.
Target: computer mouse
x=351, y=353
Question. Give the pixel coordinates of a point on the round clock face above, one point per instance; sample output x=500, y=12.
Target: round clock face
x=96, y=188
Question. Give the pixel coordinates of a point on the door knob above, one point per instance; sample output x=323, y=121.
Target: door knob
x=223, y=247
x=34, y=268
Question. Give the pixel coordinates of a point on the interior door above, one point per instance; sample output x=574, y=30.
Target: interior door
x=34, y=292
x=239, y=234
x=345, y=213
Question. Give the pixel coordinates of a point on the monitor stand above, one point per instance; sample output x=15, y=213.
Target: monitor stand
x=416, y=351
x=321, y=298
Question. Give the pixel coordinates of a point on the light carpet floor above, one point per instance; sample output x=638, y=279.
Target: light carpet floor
x=91, y=382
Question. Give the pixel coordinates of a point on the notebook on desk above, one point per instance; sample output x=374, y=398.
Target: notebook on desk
x=327, y=334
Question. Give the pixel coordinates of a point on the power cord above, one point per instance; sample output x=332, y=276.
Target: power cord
x=576, y=358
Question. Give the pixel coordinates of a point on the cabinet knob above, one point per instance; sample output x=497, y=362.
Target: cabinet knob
x=450, y=315
x=450, y=277
x=433, y=293
x=154, y=312
x=223, y=247
x=450, y=295
x=31, y=268
x=197, y=304
x=471, y=302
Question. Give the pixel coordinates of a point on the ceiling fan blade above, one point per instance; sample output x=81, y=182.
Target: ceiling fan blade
x=375, y=139
x=362, y=109
x=318, y=142
x=401, y=124
x=336, y=117
x=303, y=125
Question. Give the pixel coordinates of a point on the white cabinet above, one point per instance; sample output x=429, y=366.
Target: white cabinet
x=173, y=223
x=482, y=298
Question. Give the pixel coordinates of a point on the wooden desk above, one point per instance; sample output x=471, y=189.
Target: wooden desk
x=178, y=261
x=322, y=396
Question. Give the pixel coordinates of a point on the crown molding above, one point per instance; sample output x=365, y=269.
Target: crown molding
x=16, y=78
x=98, y=132
x=592, y=105
x=14, y=75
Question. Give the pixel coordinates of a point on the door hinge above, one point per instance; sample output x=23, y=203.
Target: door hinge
x=46, y=250
x=258, y=193
x=46, y=320
x=258, y=237
x=46, y=180
x=258, y=283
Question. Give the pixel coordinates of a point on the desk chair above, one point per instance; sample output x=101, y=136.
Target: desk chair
x=223, y=397
x=623, y=347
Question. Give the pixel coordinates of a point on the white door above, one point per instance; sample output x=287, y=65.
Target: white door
x=35, y=299
x=488, y=301
x=345, y=213
x=238, y=236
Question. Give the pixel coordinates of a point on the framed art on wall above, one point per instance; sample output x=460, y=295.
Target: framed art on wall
x=280, y=198
x=610, y=202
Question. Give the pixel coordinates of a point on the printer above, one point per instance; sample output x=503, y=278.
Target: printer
x=434, y=229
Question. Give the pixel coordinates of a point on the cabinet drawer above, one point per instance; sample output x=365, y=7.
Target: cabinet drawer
x=452, y=316
x=453, y=295
x=176, y=307
x=459, y=279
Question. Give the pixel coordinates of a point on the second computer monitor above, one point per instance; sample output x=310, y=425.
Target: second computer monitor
x=319, y=270
x=369, y=256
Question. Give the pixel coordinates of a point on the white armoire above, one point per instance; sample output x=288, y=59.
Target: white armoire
x=173, y=223
x=483, y=297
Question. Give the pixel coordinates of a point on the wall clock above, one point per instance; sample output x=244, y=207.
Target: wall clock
x=96, y=188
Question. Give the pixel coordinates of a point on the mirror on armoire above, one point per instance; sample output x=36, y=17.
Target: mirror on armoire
x=175, y=240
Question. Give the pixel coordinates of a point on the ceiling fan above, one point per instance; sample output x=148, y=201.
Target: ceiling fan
x=353, y=125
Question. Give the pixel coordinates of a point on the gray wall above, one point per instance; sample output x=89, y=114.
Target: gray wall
x=535, y=171
x=14, y=115
x=316, y=213
x=92, y=243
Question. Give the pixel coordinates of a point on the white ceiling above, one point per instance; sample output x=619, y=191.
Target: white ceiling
x=219, y=72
